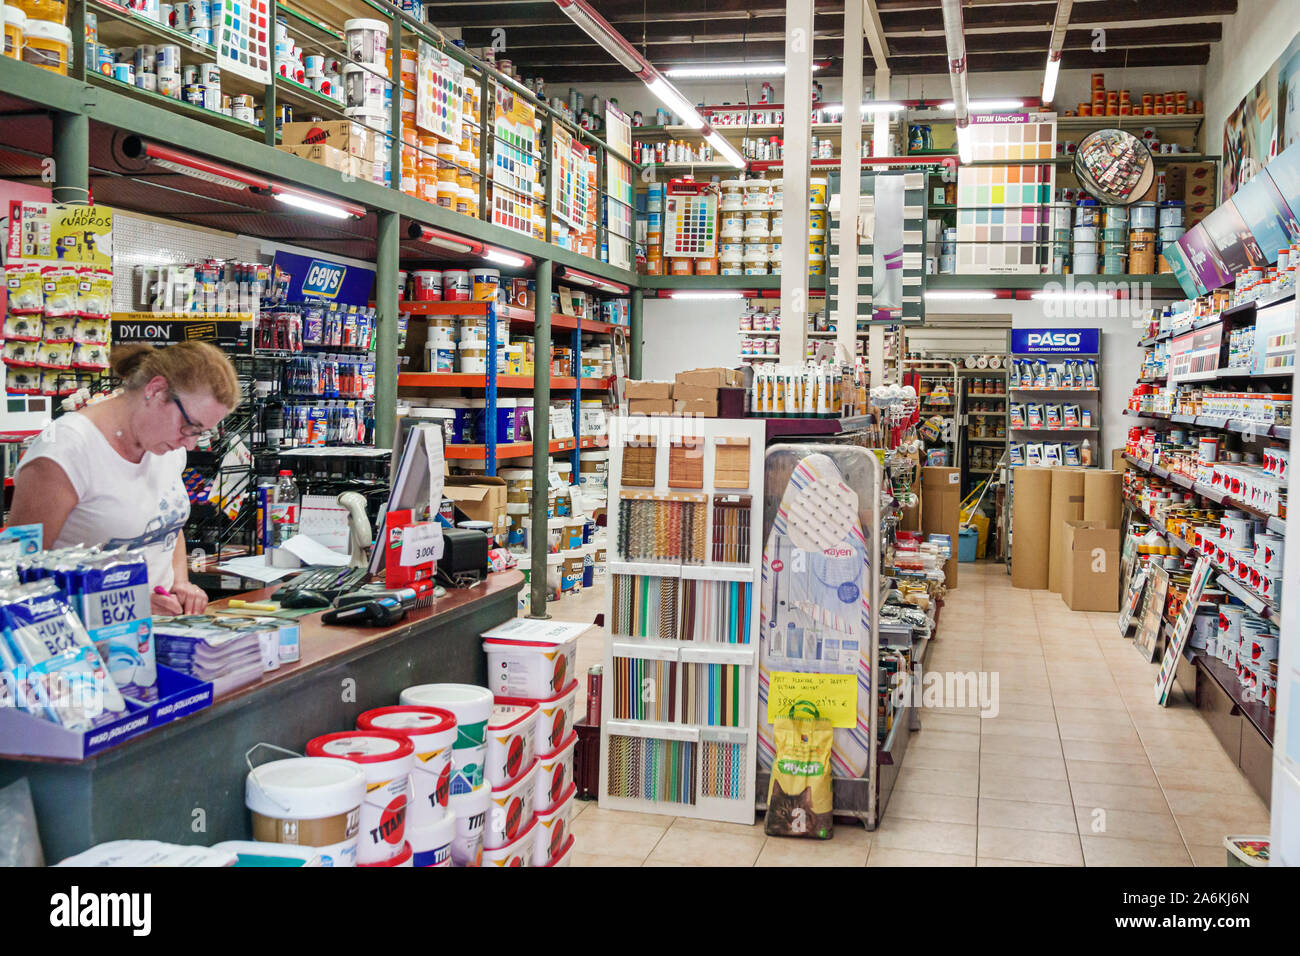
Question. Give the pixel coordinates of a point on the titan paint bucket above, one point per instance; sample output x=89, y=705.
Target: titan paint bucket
x=456, y=286
x=518, y=852
x=470, y=810
x=531, y=669
x=472, y=706
x=511, y=809
x=308, y=801
x=431, y=845
x=554, y=773
x=509, y=741
x=554, y=717
x=386, y=760
x=565, y=855
x=432, y=732
x=403, y=857
x=551, y=833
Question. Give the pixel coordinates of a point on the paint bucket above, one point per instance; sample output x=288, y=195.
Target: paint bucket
x=367, y=41
x=817, y=219
x=362, y=88
x=510, y=740
x=1142, y=253
x=1116, y=217
x=432, y=732
x=1171, y=213
x=758, y=194
x=1170, y=234
x=680, y=267
x=511, y=809
x=756, y=225
x=386, y=760
x=816, y=265
x=565, y=856
x=554, y=717
x=470, y=810
x=308, y=801
x=817, y=193
x=1061, y=218
x=551, y=834
x=554, y=773
x=1086, y=213
x=403, y=857
x=817, y=247
x=755, y=266
x=731, y=223
x=426, y=285
x=487, y=284
x=733, y=193
x=431, y=845
x=777, y=223
x=455, y=282
x=472, y=706
x=518, y=852
x=730, y=250
x=1144, y=216
x=1114, y=262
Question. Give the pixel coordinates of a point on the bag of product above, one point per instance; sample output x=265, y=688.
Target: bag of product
x=799, y=796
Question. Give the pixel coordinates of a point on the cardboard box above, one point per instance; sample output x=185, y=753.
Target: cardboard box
x=1067, y=505
x=695, y=393
x=1031, y=505
x=343, y=135
x=697, y=408
x=1103, y=498
x=1090, y=580
x=480, y=498
x=329, y=157
x=643, y=389
x=712, y=377
x=651, y=406
x=941, y=511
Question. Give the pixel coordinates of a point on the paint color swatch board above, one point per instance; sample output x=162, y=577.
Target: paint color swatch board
x=619, y=188
x=690, y=223
x=1004, y=211
x=570, y=197
x=514, y=161
x=244, y=38
x=679, y=712
x=438, y=98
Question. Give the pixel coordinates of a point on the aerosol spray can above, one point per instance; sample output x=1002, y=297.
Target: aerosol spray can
x=595, y=678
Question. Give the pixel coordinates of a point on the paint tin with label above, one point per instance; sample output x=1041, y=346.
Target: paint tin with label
x=124, y=73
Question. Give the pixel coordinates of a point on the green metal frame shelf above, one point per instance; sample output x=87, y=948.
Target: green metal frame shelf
x=723, y=283
x=1162, y=280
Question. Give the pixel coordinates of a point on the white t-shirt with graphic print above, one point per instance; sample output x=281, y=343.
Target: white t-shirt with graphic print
x=119, y=503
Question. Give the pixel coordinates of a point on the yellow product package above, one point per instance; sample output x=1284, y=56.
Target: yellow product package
x=799, y=799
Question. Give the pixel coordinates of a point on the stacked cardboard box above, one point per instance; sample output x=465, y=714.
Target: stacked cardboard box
x=339, y=144
x=698, y=393
x=941, y=511
x=1194, y=184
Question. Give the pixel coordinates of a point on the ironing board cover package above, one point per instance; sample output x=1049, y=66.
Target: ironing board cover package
x=819, y=586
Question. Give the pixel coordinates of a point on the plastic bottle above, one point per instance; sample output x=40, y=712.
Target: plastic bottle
x=1085, y=453
x=1090, y=373
x=285, y=513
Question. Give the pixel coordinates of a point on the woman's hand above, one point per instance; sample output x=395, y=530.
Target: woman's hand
x=191, y=597
x=165, y=605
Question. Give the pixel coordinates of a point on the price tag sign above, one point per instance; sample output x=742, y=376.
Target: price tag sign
x=421, y=543
x=834, y=695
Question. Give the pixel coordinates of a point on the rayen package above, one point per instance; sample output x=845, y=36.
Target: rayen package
x=53, y=659
x=1070, y=416
x=112, y=594
x=1017, y=415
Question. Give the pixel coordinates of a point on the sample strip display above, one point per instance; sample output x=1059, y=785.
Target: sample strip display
x=690, y=221
x=646, y=769
x=645, y=606
x=1003, y=214
x=569, y=178
x=716, y=611
x=621, y=192
x=731, y=528
x=514, y=160
x=243, y=29
x=723, y=775
x=673, y=692
x=662, y=527
x=639, y=455
x=686, y=463
x=438, y=99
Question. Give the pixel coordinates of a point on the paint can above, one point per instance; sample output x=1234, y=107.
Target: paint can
x=1086, y=213
x=124, y=73
x=426, y=286
x=456, y=285
x=386, y=759
x=470, y=810
x=1142, y=253
x=1085, y=263
x=1171, y=213
x=486, y=284
x=1144, y=216
x=510, y=741
x=432, y=732
x=367, y=41
x=472, y=707
x=551, y=833
x=363, y=89
x=309, y=801
x=431, y=844
x=511, y=809
x=209, y=75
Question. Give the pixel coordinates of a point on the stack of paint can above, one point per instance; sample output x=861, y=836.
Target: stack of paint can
x=948, y=251
x=818, y=223
x=1171, y=229
x=1142, y=238
x=1061, y=215
x=368, y=90
x=1114, y=240
x=731, y=224
x=1087, y=222
x=469, y=795
x=654, y=231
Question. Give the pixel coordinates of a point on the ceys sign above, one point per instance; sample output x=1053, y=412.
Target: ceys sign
x=1056, y=341
x=312, y=279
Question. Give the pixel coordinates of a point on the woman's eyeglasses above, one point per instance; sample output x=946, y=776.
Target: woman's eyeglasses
x=190, y=430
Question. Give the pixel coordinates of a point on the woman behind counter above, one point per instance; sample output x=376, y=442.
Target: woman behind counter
x=110, y=474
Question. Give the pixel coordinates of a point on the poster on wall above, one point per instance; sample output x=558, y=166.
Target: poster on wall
x=1288, y=95
x=244, y=38
x=438, y=97
x=1265, y=122
x=1204, y=258
x=1267, y=214
x=1238, y=248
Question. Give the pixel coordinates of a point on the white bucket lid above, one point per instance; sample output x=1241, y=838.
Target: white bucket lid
x=507, y=403
x=432, y=836
x=46, y=30
x=362, y=23
x=516, y=474
x=15, y=15
x=426, y=727
x=468, y=702
x=308, y=788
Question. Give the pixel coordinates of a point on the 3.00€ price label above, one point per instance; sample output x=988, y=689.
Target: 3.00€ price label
x=421, y=543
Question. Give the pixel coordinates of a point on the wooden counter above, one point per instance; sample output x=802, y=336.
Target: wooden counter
x=184, y=782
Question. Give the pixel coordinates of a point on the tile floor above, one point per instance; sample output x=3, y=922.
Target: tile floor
x=1078, y=768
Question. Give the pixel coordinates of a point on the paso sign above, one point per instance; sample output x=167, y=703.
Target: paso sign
x=1056, y=341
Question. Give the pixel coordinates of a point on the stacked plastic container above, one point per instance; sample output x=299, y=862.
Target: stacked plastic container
x=530, y=742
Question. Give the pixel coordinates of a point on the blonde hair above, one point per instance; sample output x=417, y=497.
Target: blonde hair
x=187, y=366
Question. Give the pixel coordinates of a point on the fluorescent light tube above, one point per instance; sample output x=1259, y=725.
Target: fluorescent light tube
x=986, y=106
x=965, y=148
x=725, y=149
x=313, y=205
x=1049, y=79
x=1072, y=296
x=603, y=34
x=734, y=294
x=869, y=108
x=957, y=295
x=672, y=98
x=503, y=258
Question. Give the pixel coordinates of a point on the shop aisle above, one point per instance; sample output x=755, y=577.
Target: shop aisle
x=1079, y=767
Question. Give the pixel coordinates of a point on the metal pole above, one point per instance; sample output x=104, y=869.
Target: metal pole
x=798, y=113
x=396, y=142
x=386, y=266
x=548, y=157
x=541, y=437
x=850, y=185
x=71, y=158
x=635, y=335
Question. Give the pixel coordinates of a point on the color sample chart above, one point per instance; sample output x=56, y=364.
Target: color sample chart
x=717, y=611
x=645, y=606
x=690, y=222
x=514, y=161
x=1003, y=214
x=244, y=38
x=723, y=774
x=662, y=771
x=645, y=689
x=714, y=694
x=662, y=527
x=438, y=98
x=569, y=160
x=620, y=190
